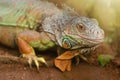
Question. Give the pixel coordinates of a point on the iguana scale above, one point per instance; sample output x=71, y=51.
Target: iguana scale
x=29, y=24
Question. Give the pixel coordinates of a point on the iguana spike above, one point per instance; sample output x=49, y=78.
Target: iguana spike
x=68, y=10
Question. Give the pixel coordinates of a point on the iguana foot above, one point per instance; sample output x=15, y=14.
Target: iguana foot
x=35, y=59
x=28, y=52
x=77, y=59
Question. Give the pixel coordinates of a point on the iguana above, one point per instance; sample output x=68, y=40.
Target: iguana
x=29, y=24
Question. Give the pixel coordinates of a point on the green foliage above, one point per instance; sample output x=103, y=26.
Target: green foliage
x=110, y=36
x=104, y=59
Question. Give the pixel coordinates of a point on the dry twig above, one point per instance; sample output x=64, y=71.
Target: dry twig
x=13, y=59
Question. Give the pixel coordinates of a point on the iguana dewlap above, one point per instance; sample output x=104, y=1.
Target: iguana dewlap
x=39, y=24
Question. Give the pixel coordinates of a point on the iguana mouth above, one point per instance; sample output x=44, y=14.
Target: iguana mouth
x=99, y=40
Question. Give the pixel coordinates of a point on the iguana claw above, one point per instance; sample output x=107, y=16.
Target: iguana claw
x=35, y=59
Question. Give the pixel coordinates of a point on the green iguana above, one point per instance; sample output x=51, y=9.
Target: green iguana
x=29, y=24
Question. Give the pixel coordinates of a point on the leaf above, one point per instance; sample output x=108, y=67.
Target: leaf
x=104, y=59
x=63, y=62
x=68, y=55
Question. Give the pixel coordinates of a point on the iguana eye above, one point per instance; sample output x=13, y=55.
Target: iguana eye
x=80, y=27
x=66, y=43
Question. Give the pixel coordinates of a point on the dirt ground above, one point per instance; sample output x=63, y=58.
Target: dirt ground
x=84, y=71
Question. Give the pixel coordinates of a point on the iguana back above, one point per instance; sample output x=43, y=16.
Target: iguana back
x=25, y=13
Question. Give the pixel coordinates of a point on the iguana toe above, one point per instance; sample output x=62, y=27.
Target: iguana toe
x=37, y=60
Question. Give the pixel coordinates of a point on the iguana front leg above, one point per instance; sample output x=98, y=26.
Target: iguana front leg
x=28, y=52
x=27, y=40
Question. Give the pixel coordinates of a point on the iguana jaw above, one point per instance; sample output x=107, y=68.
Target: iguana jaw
x=97, y=40
x=80, y=40
x=83, y=41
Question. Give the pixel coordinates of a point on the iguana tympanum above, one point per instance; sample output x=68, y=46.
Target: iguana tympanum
x=29, y=24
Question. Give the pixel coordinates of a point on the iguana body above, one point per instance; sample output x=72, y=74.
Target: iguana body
x=40, y=24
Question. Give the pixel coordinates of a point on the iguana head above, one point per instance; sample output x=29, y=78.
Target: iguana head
x=72, y=31
x=82, y=32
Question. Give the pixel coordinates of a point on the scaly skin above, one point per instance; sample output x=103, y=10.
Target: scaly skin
x=39, y=24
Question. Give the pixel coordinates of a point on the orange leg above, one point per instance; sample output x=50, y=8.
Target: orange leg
x=26, y=49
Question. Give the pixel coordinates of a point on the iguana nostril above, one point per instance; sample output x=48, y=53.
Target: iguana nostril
x=97, y=32
x=90, y=30
x=100, y=34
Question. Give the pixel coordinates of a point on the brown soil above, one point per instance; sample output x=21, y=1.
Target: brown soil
x=84, y=71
